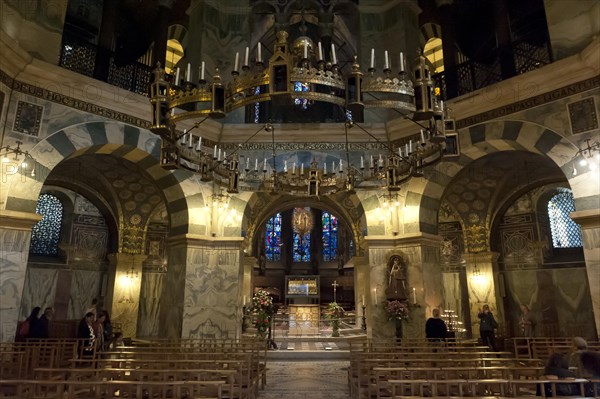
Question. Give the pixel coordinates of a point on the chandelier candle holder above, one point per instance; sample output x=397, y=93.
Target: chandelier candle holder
x=587, y=157
x=306, y=65
x=14, y=159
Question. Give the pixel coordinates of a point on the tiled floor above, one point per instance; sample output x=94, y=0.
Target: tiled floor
x=306, y=380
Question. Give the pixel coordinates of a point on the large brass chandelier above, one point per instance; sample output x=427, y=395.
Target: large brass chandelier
x=180, y=97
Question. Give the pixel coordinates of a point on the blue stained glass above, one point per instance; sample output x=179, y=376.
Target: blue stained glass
x=301, y=247
x=45, y=235
x=273, y=238
x=257, y=106
x=330, y=229
x=565, y=232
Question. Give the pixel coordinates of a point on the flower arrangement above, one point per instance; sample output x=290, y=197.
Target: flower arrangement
x=334, y=311
x=263, y=308
x=396, y=310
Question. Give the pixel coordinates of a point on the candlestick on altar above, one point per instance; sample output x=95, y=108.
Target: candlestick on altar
x=334, y=285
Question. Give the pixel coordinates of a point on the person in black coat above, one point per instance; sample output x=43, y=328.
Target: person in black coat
x=558, y=367
x=41, y=328
x=86, y=335
x=435, y=328
x=487, y=324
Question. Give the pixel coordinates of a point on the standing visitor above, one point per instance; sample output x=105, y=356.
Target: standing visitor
x=435, y=327
x=41, y=329
x=526, y=322
x=487, y=324
x=87, y=336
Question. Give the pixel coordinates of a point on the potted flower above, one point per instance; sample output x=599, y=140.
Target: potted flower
x=397, y=311
x=262, y=307
x=334, y=312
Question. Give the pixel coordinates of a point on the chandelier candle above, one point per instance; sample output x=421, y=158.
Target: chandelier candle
x=259, y=53
x=246, y=56
x=387, y=60
x=401, y=62
x=202, y=71
x=237, y=62
x=333, y=57
x=188, y=74
x=199, y=146
x=177, y=76
x=320, y=52
x=372, y=58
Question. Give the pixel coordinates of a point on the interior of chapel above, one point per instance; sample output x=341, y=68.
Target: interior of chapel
x=174, y=158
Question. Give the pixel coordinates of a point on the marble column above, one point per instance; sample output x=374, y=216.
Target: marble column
x=589, y=220
x=481, y=285
x=203, y=291
x=123, y=290
x=420, y=252
x=15, y=235
x=362, y=290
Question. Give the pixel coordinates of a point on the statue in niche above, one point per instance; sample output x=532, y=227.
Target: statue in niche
x=397, y=279
x=262, y=263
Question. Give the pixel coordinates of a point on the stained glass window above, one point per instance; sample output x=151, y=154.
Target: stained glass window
x=301, y=247
x=45, y=235
x=273, y=238
x=565, y=232
x=257, y=106
x=330, y=228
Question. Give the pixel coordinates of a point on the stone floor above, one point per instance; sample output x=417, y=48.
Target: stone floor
x=306, y=380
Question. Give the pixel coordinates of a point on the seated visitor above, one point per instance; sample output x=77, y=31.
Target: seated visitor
x=579, y=345
x=590, y=363
x=557, y=367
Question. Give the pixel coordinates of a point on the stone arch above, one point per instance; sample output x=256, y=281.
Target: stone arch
x=478, y=141
x=428, y=31
x=136, y=145
x=347, y=207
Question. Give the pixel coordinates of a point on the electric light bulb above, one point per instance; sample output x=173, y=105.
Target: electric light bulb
x=24, y=165
x=5, y=159
x=583, y=162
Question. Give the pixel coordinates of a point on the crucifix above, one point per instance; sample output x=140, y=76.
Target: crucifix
x=334, y=285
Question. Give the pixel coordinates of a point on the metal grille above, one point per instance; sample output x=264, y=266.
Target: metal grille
x=45, y=235
x=80, y=56
x=529, y=57
x=565, y=232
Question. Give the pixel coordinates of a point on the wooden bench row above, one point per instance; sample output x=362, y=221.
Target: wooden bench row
x=94, y=389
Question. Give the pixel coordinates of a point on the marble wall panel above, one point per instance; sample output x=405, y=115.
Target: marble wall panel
x=85, y=286
x=14, y=250
x=39, y=290
x=212, y=305
x=171, y=304
x=149, y=308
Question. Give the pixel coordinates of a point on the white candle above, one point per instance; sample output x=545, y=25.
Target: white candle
x=372, y=161
x=177, y=76
x=320, y=52
x=256, y=164
x=406, y=149
x=305, y=50
x=400, y=151
x=259, y=53
x=224, y=157
x=333, y=57
x=202, y=71
x=422, y=136
x=265, y=165
x=188, y=75
x=362, y=162
x=294, y=168
x=248, y=163
x=414, y=295
x=332, y=167
x=341, y=166
x=183, y=137
x=372, y=58
x=380, y=162
x=219, y=156
x=215, y=152
x=237, y=61
x=387, y=60
x=324, y=168
x=401, y=62
x=199, y=146
x=410, y=145
x=246, y=56
x=441, y=105
x=302, y=168
x=191, y=141
x=285, y=166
